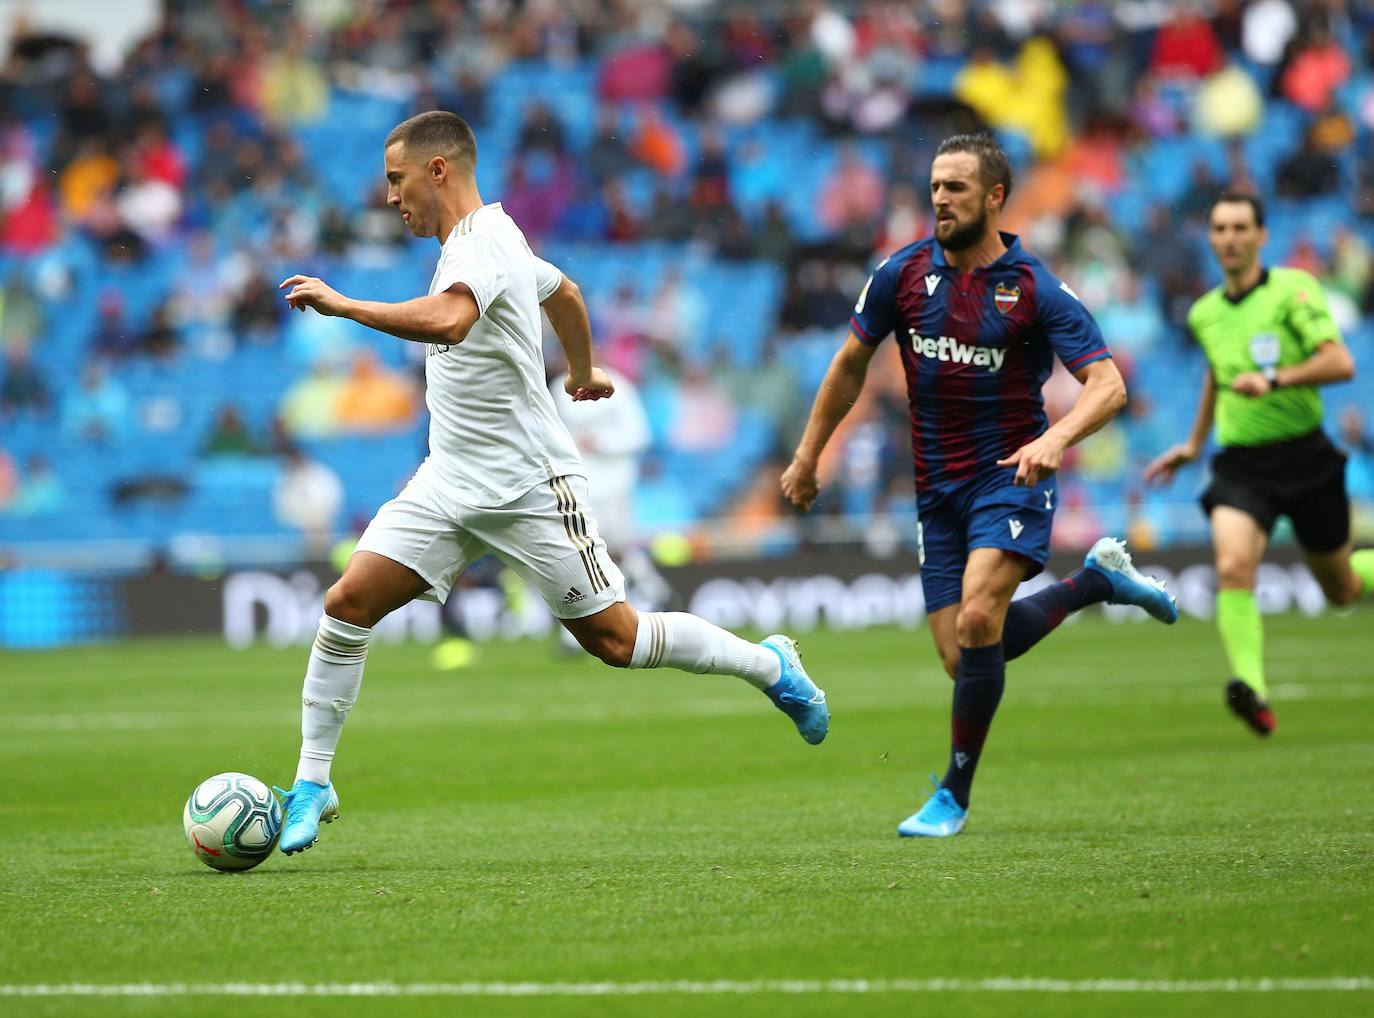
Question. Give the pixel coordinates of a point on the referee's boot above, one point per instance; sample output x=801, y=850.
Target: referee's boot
x=1129, y=585
x=1250, y=707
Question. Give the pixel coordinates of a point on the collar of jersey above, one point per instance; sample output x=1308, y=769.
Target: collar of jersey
x=473, y=215
x=1264, y=278
x=1013, y=252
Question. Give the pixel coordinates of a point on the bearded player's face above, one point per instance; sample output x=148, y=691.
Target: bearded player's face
x=1235, y=237
x=962, y=204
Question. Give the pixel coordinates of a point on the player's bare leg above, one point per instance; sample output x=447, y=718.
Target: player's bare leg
x=608, y=635
x=1333, y=570
x=371, y=587
x=625, y=638
x=990, y=579
x=1239, y=543
x=942, y=630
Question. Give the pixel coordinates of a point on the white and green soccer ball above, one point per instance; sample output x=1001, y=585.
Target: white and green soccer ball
x=232, y=821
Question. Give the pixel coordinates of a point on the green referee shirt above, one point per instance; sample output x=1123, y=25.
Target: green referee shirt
x=1280, y=322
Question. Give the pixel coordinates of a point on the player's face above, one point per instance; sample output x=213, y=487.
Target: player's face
x=410, y=190
x=961, y=202
x=1235, y=236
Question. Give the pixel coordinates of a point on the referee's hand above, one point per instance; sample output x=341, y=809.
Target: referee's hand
x=1163, y=467
x=1252, y=384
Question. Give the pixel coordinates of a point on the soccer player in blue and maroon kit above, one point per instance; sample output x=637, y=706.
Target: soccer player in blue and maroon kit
x=979, y=321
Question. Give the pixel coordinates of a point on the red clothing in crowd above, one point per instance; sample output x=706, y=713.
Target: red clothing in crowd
x=1186, y=47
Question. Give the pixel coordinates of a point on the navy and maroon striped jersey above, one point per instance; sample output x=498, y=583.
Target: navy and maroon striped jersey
x=977, y=347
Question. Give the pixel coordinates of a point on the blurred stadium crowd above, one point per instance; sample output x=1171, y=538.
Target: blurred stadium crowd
x=718, y=177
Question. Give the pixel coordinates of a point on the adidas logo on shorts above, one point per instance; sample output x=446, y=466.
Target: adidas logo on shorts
x=573, y=596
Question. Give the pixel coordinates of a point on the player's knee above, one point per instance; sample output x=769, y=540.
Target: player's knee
x=1235, y=573
x=608, y=645
x=343, y=602
x=613, y=649
x=976, y=625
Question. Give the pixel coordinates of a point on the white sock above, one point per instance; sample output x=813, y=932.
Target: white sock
x=679, y=640
x=331, y=685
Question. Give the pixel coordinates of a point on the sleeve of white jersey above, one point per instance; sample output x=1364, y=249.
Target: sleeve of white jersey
x=480, y=263
x=547, y=278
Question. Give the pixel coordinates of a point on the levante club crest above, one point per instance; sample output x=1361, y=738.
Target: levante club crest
x=1006, y=297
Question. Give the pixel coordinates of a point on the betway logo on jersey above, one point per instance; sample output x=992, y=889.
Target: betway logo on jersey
x=947, y=348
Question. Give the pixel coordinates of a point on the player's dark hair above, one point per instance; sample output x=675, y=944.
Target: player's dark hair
x=436, y=133
x=993, y=165
x=1242, y=198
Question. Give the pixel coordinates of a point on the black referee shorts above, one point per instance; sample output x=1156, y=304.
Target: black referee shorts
x=1301, y=478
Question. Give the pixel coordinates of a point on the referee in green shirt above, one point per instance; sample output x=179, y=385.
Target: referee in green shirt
x=1270, y=341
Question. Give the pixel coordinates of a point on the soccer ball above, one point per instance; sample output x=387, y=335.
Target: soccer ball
x=232, y=821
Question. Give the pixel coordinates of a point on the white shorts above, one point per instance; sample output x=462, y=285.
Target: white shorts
x=615, y=511
x=547, y=535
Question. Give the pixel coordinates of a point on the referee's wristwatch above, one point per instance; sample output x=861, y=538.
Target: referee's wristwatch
x=1271, y=375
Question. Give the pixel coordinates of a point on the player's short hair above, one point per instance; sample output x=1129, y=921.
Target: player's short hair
x=436, y=133
x=993, y=165
x=1240, y=198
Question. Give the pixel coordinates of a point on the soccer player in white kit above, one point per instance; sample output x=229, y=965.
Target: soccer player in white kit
x=503, y=475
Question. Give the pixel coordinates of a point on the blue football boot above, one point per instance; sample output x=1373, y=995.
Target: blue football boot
x=305, y=806
x=795, y=694
x=940, y=817
x=1129, y=586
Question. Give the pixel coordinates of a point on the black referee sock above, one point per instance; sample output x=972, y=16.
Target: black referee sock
x=1033, y=618
x=977, y=691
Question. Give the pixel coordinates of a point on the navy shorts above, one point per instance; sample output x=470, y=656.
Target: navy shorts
x=985, y=512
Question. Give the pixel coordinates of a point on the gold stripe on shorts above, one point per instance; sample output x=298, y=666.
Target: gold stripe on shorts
x=581, y=523
x=567, y=505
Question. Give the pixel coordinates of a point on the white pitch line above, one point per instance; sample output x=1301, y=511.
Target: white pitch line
x=1109, y=695
x=720, y=987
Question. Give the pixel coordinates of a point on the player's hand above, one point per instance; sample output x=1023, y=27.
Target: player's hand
x=313, y=292
x=1251, y=383
x=1163, y=467
x=596, y=384
x=1035, y=460
x=799, y=484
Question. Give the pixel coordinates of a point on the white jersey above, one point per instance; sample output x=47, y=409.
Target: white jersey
x=494, y=433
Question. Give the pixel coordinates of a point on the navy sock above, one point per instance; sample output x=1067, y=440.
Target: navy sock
x=977, y=691
x=1033, y=618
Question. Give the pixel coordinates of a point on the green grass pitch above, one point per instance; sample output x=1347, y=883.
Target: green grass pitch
x=537, y=819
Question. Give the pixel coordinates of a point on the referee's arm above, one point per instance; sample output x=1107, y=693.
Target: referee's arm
x=1330, y=363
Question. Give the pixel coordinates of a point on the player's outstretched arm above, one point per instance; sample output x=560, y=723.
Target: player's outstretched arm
x=1103, y=396
x=444, y=318
x=567, y=313
x=1163, y=467
x=840, y=389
